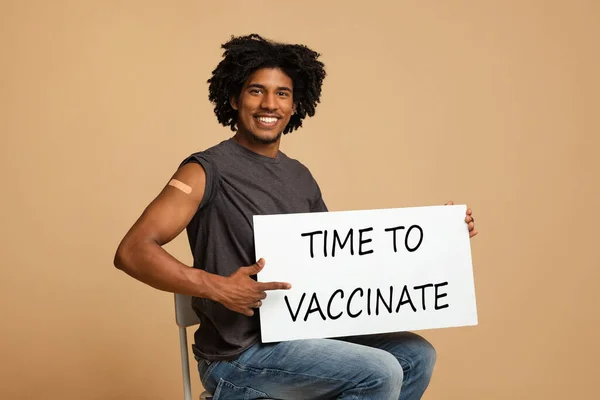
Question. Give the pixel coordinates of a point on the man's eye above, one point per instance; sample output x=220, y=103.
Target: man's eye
x=254, y=91
x=282, y=93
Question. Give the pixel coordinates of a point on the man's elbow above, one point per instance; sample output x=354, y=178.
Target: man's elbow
x=122, y=256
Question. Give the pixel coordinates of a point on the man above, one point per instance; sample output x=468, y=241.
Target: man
x=261, y=90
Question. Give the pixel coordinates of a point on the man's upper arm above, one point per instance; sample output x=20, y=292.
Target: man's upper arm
x=171, y=211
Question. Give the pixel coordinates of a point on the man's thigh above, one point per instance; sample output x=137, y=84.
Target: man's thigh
x=414, y=353
x=317, y=368
x=410, y=349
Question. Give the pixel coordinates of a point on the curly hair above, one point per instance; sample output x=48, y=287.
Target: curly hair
x=245, y=54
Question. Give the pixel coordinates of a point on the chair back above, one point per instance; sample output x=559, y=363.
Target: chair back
x=184, y=314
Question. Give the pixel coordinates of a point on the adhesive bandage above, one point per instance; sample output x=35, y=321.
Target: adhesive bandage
x=181, y=186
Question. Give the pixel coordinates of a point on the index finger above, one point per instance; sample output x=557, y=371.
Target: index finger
x=273, y=286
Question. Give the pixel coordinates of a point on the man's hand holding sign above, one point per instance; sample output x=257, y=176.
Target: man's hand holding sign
x=469, y=219
x=364, y=272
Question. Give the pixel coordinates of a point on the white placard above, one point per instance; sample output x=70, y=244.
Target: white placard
x=364, y=272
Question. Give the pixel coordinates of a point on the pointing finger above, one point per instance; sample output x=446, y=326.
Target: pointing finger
x=274, y=286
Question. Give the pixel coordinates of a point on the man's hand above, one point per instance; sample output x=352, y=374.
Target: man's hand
x=240, y=293
x=469, y=220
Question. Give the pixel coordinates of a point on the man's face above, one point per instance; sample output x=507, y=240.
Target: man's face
x=265, y=105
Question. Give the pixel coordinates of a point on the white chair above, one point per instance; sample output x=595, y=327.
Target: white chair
x=185, y=316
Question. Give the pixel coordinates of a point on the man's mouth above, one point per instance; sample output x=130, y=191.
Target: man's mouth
x=267, y=121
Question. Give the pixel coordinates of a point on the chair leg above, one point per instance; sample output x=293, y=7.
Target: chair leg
x=185, y=365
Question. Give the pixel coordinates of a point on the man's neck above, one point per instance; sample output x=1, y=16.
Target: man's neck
x=267, y=150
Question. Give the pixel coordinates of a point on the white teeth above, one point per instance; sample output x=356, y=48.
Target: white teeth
x=267, y=120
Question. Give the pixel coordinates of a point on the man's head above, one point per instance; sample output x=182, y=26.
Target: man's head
x=263, y=89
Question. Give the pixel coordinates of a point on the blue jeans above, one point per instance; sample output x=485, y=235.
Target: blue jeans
x=386, y=366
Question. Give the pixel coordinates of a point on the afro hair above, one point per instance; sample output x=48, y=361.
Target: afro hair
x=244, y=55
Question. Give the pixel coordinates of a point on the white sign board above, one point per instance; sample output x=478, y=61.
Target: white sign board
x=364, y=272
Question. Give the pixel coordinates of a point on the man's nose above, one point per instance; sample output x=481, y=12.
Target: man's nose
x=269, y=102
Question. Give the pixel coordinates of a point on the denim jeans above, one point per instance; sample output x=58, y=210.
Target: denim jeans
x=385, y=366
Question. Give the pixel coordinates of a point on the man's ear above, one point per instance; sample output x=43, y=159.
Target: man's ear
x=294, y=109
x=234, y=103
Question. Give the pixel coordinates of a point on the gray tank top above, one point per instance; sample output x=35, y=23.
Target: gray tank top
x=239, y=184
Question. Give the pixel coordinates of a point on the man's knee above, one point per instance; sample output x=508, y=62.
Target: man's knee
x=388, y=374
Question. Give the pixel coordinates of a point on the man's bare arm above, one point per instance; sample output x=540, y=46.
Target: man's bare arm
x=140, y=253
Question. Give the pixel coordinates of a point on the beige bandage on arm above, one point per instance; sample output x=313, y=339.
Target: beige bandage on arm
x=181, y=186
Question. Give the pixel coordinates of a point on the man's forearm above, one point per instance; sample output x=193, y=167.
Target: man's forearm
x=149, y=263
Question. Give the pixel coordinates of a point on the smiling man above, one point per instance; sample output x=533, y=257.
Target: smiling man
x=265, y=117
x=261, y=90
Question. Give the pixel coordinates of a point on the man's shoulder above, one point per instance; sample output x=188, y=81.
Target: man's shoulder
x=296, y=165
x=207, y=155
x=214, y=150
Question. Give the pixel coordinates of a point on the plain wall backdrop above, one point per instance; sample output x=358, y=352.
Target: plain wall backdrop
x=490, y=103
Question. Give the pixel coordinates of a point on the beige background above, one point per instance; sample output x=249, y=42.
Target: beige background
x=492, y=103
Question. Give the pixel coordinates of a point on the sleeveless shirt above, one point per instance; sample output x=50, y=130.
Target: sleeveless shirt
x=239, y=184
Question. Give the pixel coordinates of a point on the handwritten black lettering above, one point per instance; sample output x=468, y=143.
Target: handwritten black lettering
x=349, y=237
x=394, y=236
x=408, y=234
x=361, y=241
x=341, y=292
x=350, y=301
x=294, y=316
x=402, y=302
x=387, y=306
x=439, y=296
x=423, y=287
x=317, y=307
x=383, y=299
x=311, y=234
